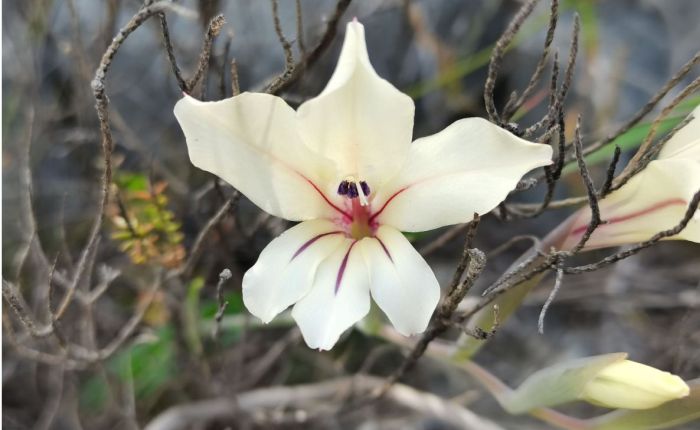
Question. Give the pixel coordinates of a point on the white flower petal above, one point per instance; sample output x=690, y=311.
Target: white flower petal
x=401, y=282
x=360, y=121
x=251, y=141
x=338, y=299
x=654, y=200
x=630, y=385
x=286, y=267
x=686, y=142
x=470, y=166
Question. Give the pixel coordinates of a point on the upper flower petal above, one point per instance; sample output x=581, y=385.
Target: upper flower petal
x=251, y=141
x=360, y=121
x=401, y=282
x=338, y=298
x=470, y=166
x=686, y=142
x=654, y=200
x=286, y=267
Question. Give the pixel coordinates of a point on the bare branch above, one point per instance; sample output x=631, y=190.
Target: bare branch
x=497, y=58
x=213, y=30
x=590, y=189
x=515, y=103
x=171, y=54
x=278, y=84
x=678, y=77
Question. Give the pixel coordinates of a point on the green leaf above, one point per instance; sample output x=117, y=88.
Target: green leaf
x=191, y=316
x=132, y=181
x=669, y=414
x=147, y=366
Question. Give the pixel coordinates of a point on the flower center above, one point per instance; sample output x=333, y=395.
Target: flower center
x=357, y=191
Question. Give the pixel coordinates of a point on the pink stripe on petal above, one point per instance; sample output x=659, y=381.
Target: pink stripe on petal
x=386, y=250
x=309, y=242
x=341, y=269
x=663, y=204
x=376, y=214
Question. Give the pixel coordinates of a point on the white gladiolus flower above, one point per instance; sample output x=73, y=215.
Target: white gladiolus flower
x=630, y=385
x=344, y=165
x=654, y=200
x=608, y=380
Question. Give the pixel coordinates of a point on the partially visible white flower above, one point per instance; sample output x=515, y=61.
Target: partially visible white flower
x=654, y=200
x=630, y=385
x=608, y=380
x=344, y=164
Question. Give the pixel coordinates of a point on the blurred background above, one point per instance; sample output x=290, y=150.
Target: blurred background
x=437, y=51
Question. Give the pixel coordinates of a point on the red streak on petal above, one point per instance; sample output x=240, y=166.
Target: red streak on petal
x=386, y=250
x=376, y=214
x=656, y=207
x=342, y=212
x=309, y=242
x=341, y=269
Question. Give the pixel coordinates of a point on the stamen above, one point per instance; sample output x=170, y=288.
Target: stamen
x=365, y=187
x=353, y=188
x=362, y=192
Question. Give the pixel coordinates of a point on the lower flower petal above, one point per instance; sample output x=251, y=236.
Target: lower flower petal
x=338, y=298
x=285, y=269
x=401, y=282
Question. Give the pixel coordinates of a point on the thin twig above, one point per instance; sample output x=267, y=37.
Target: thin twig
x=550, y=298
x=497, y=58
x=224, y=276
x=647, y=149
x=215, y=26
x=300, y=29
x=590, y=189
x=610, y=173
x=514, y=104
x=171, y=54
x=186, y=269
x=278, y=84
x=648, y=107
x=235, y=85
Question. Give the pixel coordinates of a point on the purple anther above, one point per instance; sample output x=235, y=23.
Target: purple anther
x=352, y=190
x=343, y=188
x=365, y=188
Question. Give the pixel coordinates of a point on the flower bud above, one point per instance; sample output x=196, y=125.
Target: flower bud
x=630, y=385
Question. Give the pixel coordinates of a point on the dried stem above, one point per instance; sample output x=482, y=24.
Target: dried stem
x=224, y=276
x=648, y=107
x=282, y=82
x=497, y=58
x=186, y=269
x=514, y=104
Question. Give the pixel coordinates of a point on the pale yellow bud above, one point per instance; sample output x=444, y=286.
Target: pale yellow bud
x=630, y=385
